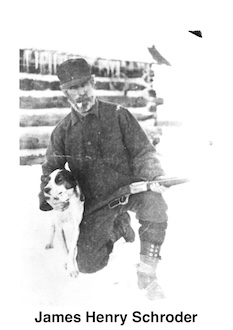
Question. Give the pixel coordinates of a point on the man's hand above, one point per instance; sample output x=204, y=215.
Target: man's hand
x=156, y=187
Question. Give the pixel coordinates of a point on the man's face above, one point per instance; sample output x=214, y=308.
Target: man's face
x=82, y=97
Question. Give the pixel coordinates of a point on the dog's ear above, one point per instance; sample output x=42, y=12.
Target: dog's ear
x=79, y=193
x=68, y=178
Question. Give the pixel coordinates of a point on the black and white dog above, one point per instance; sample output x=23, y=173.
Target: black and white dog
x=62, y=187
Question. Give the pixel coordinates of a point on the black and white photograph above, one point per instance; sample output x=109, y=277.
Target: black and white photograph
x=123, y=163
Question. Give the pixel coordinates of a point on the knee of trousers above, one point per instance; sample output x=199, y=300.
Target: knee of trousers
x=95, y=261
x=151, y=207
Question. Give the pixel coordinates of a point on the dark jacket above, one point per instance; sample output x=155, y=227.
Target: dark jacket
x=105, y=150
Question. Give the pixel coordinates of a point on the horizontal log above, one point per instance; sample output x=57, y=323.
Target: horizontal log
x=40, y=85
x=54, y=78
x=32, y=156
x=42, y=103
x=52, y=120
x=59, y=93
x=31, y=160
x=43, y=117
x=65, y=111
x=29, y=102
x=40, y=120
x=30, y=84
x=96, y=70
x=35, y=137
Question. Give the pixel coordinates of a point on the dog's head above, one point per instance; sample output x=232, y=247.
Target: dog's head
x=61, y=186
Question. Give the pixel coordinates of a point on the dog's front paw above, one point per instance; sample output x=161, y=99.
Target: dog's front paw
x=49, y=246
x=73, y=273
x=72, y=269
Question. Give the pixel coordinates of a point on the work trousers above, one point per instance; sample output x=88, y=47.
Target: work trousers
x=96, y=229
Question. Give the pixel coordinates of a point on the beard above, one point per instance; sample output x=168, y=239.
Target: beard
x=85, y=104
x=82, y=106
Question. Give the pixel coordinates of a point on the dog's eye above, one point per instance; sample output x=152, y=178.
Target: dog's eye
x=58, y=180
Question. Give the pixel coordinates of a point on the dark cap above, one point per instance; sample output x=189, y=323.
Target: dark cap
x=73, y=72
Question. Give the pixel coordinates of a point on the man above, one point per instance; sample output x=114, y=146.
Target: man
x=106, y=149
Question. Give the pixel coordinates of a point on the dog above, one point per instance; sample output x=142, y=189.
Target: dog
x=62, y=187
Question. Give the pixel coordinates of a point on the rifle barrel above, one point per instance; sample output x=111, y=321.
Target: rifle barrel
x=172, y=181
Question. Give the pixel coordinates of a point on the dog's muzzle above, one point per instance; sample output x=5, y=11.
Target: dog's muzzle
x=47, y=190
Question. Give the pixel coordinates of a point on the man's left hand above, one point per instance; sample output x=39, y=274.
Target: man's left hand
x=158, y=188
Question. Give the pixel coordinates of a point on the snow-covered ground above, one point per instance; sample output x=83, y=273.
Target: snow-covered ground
x=193, y=272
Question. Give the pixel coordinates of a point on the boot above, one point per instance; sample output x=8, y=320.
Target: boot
x=146, y=270
x=123, y=229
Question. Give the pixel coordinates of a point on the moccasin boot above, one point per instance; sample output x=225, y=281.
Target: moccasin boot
x=146, y=270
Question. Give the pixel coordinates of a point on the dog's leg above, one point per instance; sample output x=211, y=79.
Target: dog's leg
x=72, y=266
x=61, y=237
x=64, y=243
x=50, y=244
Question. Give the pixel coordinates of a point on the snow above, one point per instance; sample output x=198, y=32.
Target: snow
x=46, y=281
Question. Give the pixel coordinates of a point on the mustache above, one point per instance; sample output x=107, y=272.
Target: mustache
x=81, y=99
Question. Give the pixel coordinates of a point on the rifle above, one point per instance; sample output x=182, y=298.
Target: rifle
x=141, y=186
